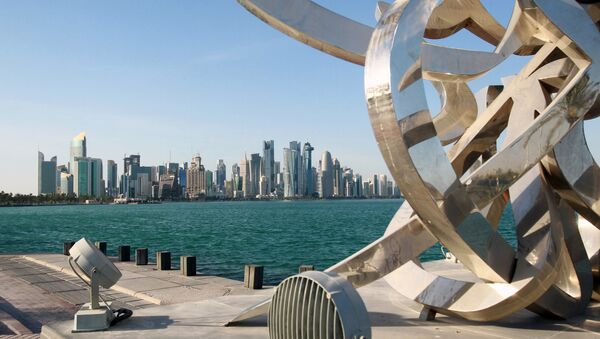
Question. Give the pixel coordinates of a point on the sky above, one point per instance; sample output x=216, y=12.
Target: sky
x=171, y=79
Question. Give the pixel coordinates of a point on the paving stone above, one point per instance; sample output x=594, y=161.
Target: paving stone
x=145, y=284
x=59, y=286
x=39, y=278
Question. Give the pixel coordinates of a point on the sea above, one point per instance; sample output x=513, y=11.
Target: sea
x=224, y=236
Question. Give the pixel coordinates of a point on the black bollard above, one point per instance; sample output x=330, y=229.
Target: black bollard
x=67, y=246
x=101, y=245
x=253, y=277
x=124, y=253
x=163, y=261
x=141, y=256
x=188, y=265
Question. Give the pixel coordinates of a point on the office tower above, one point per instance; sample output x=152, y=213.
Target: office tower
x=87, y=177
x=348, y=183
x=255, y=161
x=397, y=192
x=315, y=180
x=358, y=186
x=235, y=170
x=338, y=188
x=182, y=176
x=66, y=183
x=229, y=189
x=268, y=169
x=78, y=149
x=327, y=173
x=221, y=175
x=143, y=186
x=208, y=187
x=297, y=173
x=46, y=175
x=111, y=178
x=263, y=186
x=366, y=189
x=375, y=186
x=245, y=175
x=196, y=179
x=290, y=170
x=160, y=171
x=383, y=190
x=307, y=170
x=60, y=169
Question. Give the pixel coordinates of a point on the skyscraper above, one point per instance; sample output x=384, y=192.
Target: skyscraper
x=268, y=168
x=245, y=175
x=221, y=175
x=288, y=173
x=308, y=187
x=326, y=176
x=46, y=175
x=338, y=178
x=87, y=177
x=111, y=178
x=297, y=173
x=196, y=180
x=255, y=161
x=209, y=187
x=66, y=183
x=78, y=148
x=375, y=182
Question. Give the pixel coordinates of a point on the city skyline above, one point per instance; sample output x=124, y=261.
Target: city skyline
x=258, y=177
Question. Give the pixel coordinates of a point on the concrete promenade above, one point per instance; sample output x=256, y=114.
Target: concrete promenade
x=40, y=290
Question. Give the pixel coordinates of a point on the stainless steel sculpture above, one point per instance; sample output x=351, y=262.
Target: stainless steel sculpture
x=521, y=143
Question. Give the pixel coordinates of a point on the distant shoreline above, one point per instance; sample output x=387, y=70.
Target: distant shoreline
x=191, y=201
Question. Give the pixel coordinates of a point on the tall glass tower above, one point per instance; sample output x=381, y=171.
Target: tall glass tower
x=78, y=149
x=308, y=188
x=46, y=175
x=268, y=168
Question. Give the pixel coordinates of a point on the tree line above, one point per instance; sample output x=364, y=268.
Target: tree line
x=10, y=199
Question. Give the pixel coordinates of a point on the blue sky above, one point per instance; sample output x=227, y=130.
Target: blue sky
x=173, y=77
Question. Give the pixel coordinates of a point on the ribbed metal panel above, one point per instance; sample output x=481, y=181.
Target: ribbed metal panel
x=302, y=309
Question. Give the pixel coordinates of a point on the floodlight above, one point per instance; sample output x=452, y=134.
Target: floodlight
x=316, y=304
x=95, y=270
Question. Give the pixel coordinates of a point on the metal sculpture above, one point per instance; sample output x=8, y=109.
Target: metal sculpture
x=456, y=169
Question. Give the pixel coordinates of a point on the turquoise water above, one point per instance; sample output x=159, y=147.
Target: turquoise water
x=281, y=235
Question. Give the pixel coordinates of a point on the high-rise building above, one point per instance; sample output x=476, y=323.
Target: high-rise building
x=358, y=186
x=59, y=170
x=298, y=173
x=338, y=179
x=245, y=175
x=308, y=183
x=327, y=173
x=366, y=189
x=255, y=162
x=383, y=185
x=87, y=177
x=288, y=170
x=46, y=175
x=221, y=175
x=209, y=186
x=78, y=149
x=263, y=186
x=375, y=183
x=111, y=178
x=66, y=183
x=196, y=179
x=268, y=168
x=348, y=183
